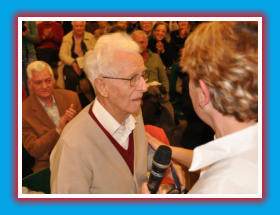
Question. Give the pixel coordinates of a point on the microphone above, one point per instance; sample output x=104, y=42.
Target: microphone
x=161, y=162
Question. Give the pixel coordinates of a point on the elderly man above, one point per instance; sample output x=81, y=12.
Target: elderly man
x=73, y=48
x=45, y=113
x=155, y=68
x=104, y=150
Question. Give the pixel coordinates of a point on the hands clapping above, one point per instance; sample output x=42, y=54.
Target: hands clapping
x=68, y=115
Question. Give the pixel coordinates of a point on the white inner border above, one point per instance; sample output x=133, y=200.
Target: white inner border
x=141, y=196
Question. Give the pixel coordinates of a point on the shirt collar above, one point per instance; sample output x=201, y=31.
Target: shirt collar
x=108, y=121
x=224, y=147
x=44, y=104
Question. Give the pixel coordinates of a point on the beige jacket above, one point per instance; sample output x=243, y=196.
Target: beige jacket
x=67, y=43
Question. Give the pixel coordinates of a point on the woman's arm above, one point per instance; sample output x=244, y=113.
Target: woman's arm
x=181, y=155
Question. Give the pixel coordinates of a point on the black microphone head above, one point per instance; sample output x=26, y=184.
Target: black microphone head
x=163, y=155
x=161, y=162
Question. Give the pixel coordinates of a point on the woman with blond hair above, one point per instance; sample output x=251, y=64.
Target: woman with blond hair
x=160, y=43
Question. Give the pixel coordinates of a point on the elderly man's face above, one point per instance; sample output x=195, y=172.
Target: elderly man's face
x=124, y=98
x=79, y=28
x=142, y=41
x=42, y=84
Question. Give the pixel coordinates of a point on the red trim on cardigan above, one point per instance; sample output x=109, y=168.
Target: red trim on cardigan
x=128, y=155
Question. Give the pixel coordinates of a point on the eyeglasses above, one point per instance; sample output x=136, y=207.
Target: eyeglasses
x=134, y=80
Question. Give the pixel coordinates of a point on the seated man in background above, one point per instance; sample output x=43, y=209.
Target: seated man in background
x=74, y=46
x=156, y=107
x=155, y=69
x=45, y=113
x=104, y=150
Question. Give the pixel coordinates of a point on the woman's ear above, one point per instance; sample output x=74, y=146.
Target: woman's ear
x=205, y=94
x=101, y=86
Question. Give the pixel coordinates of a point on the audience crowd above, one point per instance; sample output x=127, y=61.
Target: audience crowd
x=63, y=46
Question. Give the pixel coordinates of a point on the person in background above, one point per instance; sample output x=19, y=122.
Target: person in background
x=155, y=69
x=122, y=24
x=73, y=48
x=160, y=43
x=156, y=107
x=45, y=113
x=147, y=27
x=221, y=59
x=103, y=28
x=29, y=39
x=178, y=37
x=50, y=37
x=132, y=26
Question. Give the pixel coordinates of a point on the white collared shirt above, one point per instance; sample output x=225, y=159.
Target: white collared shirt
x=52, y=112
x=119, y=132
x=229, y=165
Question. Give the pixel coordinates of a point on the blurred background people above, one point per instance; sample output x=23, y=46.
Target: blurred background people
x=103, y=28
x=147, y=27
x=160, y=43
x=178, y=37
x=73, y=48
x=132, y=26
x=50, y=37
x=122, y=24
x=155, y=69
x=29, y=39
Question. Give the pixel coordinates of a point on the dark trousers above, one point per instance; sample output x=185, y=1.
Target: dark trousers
x=48, y=55
x=72, y=82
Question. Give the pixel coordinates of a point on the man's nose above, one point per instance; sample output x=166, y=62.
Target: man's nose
x=143, y=85
x=44, y=84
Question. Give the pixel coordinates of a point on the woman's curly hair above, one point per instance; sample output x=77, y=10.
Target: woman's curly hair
x=225, y=56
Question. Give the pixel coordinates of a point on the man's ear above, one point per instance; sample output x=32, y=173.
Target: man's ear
x=206, y=94
x=101, y=86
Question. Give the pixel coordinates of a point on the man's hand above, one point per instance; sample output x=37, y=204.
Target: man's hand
x=76, y=68
x=68, y=115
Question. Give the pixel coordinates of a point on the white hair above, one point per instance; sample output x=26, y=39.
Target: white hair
x=100, y=61
x=38, y=66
